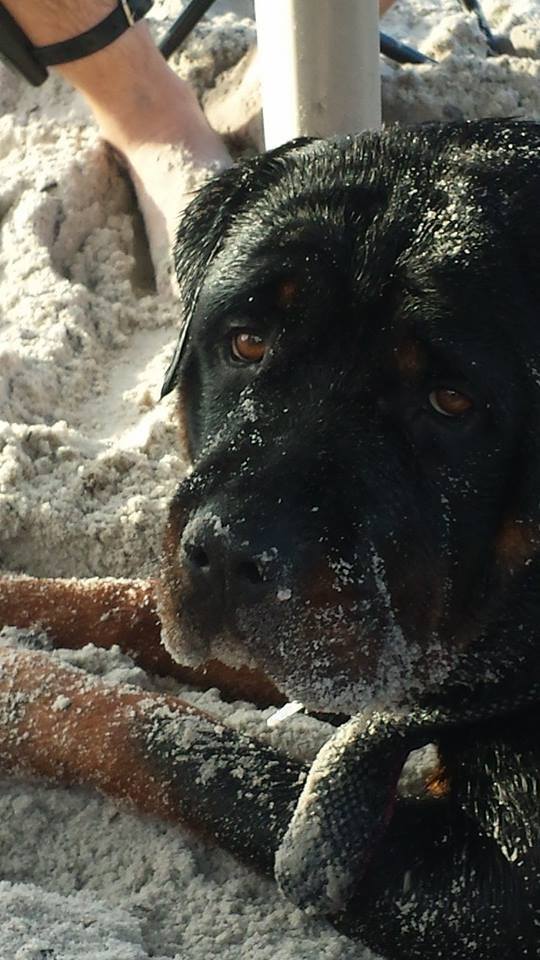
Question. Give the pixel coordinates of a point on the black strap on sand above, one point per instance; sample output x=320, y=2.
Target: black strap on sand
x=183, y=25
x=196, y=9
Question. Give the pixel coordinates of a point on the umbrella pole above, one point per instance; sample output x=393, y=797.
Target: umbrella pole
x=320, y=70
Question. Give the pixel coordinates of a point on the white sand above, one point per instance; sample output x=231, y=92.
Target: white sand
x=88, y=462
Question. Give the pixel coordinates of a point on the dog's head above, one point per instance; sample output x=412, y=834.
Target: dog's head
x=359, y=393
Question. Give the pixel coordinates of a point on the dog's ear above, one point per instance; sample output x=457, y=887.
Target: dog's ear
x=204, y=227
x=199, y=236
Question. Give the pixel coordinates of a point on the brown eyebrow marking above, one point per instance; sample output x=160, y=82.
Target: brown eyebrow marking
x=410, y=359
x=287, y=292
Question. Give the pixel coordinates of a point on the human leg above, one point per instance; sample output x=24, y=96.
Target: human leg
x=143, y=109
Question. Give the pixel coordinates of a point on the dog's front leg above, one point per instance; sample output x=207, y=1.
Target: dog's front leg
x=151, y=750
x=106, y=612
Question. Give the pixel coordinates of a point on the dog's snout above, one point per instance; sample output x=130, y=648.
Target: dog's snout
x=224, y=568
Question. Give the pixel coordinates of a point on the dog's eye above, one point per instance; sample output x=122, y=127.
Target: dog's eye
x=247, y=347
x=450, y=403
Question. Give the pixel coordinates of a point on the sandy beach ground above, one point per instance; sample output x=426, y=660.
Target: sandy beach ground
x=89, y=459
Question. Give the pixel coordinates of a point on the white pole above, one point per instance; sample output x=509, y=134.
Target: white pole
x=319, y=63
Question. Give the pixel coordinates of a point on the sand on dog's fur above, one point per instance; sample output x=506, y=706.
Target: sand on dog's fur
x=88, y=461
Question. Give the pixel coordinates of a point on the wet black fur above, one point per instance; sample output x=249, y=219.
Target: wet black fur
x=429, y=235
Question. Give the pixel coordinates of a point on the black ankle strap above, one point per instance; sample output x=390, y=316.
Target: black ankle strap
x=125, y=15
x=17, y=51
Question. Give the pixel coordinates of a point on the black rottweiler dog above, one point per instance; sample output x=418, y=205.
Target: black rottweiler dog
x=359, y=384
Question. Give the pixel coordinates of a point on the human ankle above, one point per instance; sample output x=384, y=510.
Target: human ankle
x=158, y=114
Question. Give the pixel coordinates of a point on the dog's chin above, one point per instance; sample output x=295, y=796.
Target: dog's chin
x=329, y=662
x=342, y=668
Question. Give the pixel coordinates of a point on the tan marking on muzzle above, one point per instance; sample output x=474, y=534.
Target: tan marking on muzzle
x=517, y=542
x=323, y=589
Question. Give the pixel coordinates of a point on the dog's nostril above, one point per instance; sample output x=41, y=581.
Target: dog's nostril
x=198, y=557
x=249, y=571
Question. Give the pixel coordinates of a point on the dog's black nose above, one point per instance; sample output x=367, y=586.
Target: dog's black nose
x=224, y=568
